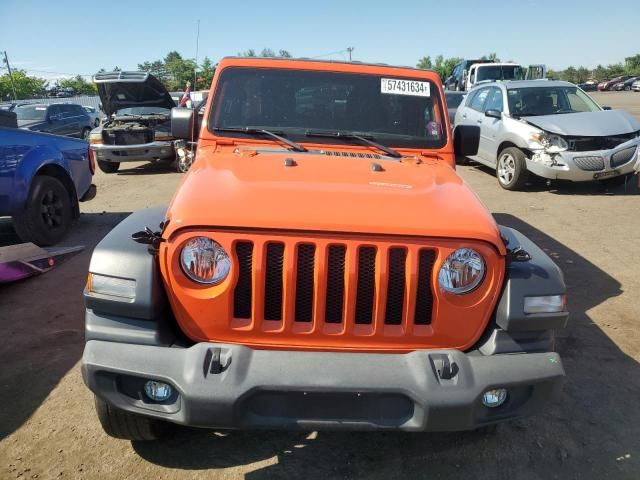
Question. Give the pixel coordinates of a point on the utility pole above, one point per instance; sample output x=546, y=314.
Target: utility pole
x=350, y=49
x=13, y=87
x=195, y=71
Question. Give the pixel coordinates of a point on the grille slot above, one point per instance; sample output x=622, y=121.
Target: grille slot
x=304, y=282
x=273, y=282
x=623, y=156
x=242, y=294
x=366, y=285
x=590, y=164
x=424, y=297
x=335, y=284
x=396, y=289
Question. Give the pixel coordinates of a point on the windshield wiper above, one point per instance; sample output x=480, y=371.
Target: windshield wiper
x=346, y=135
x=261, y=131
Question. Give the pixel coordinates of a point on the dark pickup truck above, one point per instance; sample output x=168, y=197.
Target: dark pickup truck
x=42, y=179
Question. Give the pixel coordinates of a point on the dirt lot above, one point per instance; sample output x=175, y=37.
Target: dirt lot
x=48, y=428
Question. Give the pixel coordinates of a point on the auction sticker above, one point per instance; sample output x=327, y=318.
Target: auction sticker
x=394, y=86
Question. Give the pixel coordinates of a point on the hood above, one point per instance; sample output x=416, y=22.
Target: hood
x=587, y=124
x=131, y=89
x=325, y=193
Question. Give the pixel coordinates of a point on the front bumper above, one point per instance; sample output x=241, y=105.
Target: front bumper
x=133, y=153
x=571, y=165
x=233, y=386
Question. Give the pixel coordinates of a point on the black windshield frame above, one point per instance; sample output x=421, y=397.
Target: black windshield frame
x=302, y=88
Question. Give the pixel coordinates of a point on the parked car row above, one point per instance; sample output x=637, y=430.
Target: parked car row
x=624, y=82
x=66, y=119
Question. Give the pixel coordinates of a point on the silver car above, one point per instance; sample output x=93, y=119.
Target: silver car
x=551, y=129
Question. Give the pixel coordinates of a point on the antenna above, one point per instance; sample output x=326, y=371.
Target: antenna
x=195, y=70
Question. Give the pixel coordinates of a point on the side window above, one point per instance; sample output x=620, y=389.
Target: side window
x=55, y=112
x=78, y=111
x=494, y=101
x=66, y=111
x=477, y=102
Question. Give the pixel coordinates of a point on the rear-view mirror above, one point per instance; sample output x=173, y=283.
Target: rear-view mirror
x=466, y=139
x=606, y=107
x=184, y=123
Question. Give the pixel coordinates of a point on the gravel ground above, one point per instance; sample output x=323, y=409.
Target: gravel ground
x=48, y=428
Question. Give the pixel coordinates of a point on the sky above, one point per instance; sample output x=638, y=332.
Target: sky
x=57, y=39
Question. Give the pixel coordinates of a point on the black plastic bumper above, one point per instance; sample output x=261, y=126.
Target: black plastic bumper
x=232, y=386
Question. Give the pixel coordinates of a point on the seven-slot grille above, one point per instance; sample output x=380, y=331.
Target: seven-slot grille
x=339, y=280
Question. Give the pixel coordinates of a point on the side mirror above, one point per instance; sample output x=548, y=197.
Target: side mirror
x=184, y=123
x=606, y=107
x=493, y=114
x=466, y=139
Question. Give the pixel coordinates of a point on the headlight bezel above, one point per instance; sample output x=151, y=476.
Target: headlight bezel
x=215, y=253
x=550, y=142
x=462, y=255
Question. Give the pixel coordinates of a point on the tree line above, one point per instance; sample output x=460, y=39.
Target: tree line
x=174, y=71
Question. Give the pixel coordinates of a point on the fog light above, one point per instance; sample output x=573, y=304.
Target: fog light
x=157, y=391
x=494, y=398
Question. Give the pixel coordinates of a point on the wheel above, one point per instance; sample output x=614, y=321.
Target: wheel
x=48, y=213
x=512, y=169
x=85, y=133
x=108, y=167
x=128, y=426
x=627, y=88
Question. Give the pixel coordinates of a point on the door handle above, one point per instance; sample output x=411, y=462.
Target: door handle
x=479, y=121
x=464, y=115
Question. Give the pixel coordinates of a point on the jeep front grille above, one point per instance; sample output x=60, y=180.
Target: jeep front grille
x=348, y=287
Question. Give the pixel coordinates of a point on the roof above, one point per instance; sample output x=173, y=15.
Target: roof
x=340, y=62
x=543, y=82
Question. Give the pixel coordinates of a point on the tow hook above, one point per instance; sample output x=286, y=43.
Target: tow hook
x=518, y=254
x=445, y=368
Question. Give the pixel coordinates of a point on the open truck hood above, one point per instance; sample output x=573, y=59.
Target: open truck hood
x=587, y=124
x=131, y=89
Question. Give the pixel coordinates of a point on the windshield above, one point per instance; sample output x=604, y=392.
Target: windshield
x=549, y=101
x=394, y=112
x=143, y=111
x=499, y=72
x=31, y=112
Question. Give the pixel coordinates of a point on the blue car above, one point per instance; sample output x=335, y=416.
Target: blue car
x=42, y=179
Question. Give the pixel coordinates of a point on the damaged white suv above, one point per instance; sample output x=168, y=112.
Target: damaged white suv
x=551, y=129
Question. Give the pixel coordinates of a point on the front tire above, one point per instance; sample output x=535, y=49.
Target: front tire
x=85, y=133
x=128, y=426
x=511, y=169
x=108, y=167
x=48, y=212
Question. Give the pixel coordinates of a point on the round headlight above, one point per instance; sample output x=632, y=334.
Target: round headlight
x=205, y=261
x=462, y=271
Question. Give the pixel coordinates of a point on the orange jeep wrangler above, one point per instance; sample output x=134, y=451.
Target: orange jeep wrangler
x=321, y=266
